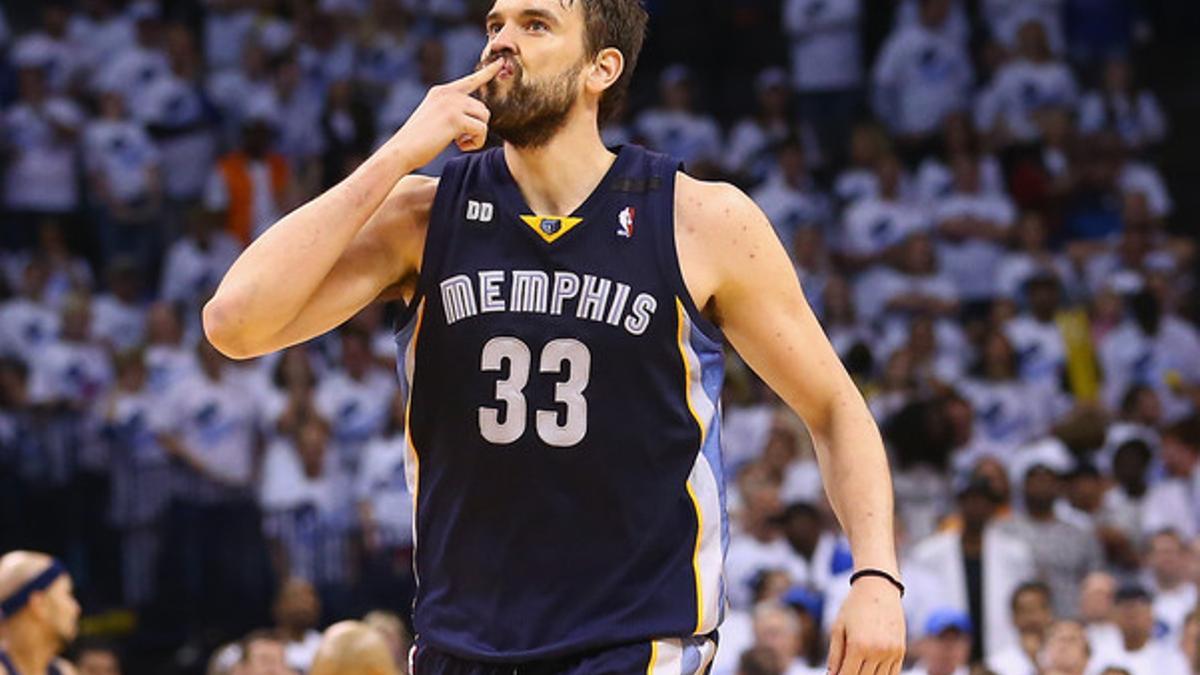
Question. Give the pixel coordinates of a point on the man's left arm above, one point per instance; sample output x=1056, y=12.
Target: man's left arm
x=731, y=256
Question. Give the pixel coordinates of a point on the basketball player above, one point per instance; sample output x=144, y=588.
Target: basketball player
x=38, y=614
x=353, y=648
x=561, y=352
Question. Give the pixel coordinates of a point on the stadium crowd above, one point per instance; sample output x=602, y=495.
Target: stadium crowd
x=971, y=194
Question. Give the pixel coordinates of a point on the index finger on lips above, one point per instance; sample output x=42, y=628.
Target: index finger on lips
x=478, y=78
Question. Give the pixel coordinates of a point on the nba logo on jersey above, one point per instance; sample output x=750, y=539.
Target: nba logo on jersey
x=626, y=220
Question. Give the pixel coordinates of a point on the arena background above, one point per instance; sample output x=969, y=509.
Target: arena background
x=994, y=219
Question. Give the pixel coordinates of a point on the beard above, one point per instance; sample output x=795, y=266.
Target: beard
x=531, y=113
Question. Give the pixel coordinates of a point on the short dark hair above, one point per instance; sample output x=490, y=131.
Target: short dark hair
x=1038, y=587
x=1186, y=431
x=620, y=24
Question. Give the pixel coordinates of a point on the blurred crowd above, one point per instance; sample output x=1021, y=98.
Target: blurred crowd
x=970, y=191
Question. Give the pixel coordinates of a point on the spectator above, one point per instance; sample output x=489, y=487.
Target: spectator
x=385, y=508
x=51, y=48
x=196, y=262
x=876, y=223
x=1153, y=349
x=1031, y=257
x=1119, y=107
x=946, y=647
x=138, y=63
x=827, y=68
x=169, y=357
x=977, y=570
x=72, y=371
x=1174, y=592
x=356, y=398
x=1062, y=553
x=28, y=322
x=777, y=628
x=251, y=185
x=297, y=613
x=1170, y=503
x=262, y=654
x=921, y=76
x=97, y=658
x=1036, y=336
x=119, y=316
x=1006, y=18
x=674, y=127
x=973, y=225
x=1065, y=651
x=1008, y=411
x=789, y=198
x=754, y=140
x=1138, y=651
x=353, y=648
x=1032, y=616
x=1025, y=87
x=758, y=546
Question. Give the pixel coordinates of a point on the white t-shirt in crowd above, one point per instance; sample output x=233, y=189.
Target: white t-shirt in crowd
x=117, y=323
x=1005, y=18
x=748, y=557
x=98, y=41
x=131, y=72
x=215, y=421
x=874, y=224
x=382, y=482
x=1163, y=361
x=1009, y=412
x=189, y=152
x=26, y=327
x=1172, y=607
x=123, y=154
x=972, y=263
x=920, y=77
x=789, y=208
x=687, y=136
x=167, y=366
x=356, y=410
x=58, y=59
x=225, y=34
x=75, y=372
x=826, y=49
x=1019, y=267
x=41, y=174
x=935, y=180
x=1021, y=88
x=880, y=285
x=1139, y=177
x=191, y=272
x=1157, y=657
x=1139, y=120
x=1040, y=348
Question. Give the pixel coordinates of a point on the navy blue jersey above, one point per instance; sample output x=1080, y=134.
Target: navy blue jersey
x=563, y=423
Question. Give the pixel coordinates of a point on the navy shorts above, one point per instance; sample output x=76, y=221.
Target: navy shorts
x=676, y=656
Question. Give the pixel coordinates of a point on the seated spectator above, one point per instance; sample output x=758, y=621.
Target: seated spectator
x=875, y=224
x=1032, y=616
x=915, y=286
x=1024, y=88
x=356, y=398
x=97, y=658
x=921, y=75
x=1138, y=650
x=1174, y=591
x=73, y=371
x=297, y=612
x=858, y=180
x=946, y=647
x=1154, y=349
x=196, y=262
x=262, y=654
x=676, y=128
x=758, y=545
x=1170, y=504
x=1037, y=337
x=1008, y=410
x=977, y=571
x=777, y=627
x=935, y=177
x=973, y=226
x=827, y=67
x=119, y=315
x=1005, y=18
x=753, y=142
x=1031, y=257
x=27, y=321
x=1063, y=554
x=250, y=186
x=790, y=199
x=1065, y=651
x=1120, y=107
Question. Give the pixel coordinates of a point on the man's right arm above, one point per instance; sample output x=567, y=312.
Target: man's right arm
x=325, y=261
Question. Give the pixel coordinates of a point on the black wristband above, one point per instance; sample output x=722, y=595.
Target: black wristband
x=872, y=572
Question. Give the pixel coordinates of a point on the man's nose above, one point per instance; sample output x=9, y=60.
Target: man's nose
x=502, y=42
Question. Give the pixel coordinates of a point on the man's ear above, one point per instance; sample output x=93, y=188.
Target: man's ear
x=606, y=69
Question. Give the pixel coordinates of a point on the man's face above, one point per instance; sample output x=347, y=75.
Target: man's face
x=943, y=654
x=1066, y=648
x=62, y=609
x=1135, y=618
x=1031, y=612
x=297, y=607
x=1041, y=488
x=542, y=44
x=98, y=663
x=776, y=632
x=1168, y=559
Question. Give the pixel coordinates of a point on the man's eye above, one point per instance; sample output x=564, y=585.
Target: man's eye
x=493, y=29
x=538, y=26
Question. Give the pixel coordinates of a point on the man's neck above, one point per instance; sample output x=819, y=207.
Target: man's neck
x=27, y=649
x=1135, y=643
x=557, y=178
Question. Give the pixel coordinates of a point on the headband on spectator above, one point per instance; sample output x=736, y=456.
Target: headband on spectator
x=15, y=602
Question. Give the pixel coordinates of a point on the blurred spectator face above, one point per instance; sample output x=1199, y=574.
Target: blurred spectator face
x=76, y=319
x=1066, y=649
x=946, y=652
x=966, y=174
x=1096, y=597
x=1118, y=77
x=31, y=83
x=1167, y=559
x=1044, y=298
x=889, y=172
x=774, y=100
x=256, y=138
x=1085, y=491
x=993, y=471
x=1041, y=489
x=131, y=372
x=264, y=657
x=934, y=12
x=181, y=49
x=791, y=163
x=356, y=355
x=977, y=509
x=1056, y=125
x=1177, y=457
x=919, y=255
x=1135, y=619
x=760, y=492
x=898, y=373
x=295, y=373
x=809, y=247
x=1031, y=611
x=1032, y=43
x=760, y=661
x=112, y=106
x=1031, y=232
x=1189, y=640
x=838, y=303
x=35, y=276
x=961, y=420
x=431, y=61
x=958, y=135
x=1135, y=212
x=866, y=145
x=162, y=324
x=297, y=609
x=772, y=586
x=287, y=75
x=98, y=662
x=1130, y=463
x=212, y=362
x=311, y=441
x=999, y=359
x=803, y=529
x=777, y=628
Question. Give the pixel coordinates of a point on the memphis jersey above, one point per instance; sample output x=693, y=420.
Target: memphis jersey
x=563, y=440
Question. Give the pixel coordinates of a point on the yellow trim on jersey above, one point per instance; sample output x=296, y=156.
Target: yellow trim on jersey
x=409, y=372
x=687, y=393
x=653, y=657
x=565, y=225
